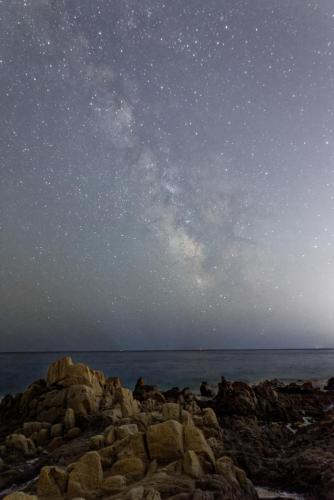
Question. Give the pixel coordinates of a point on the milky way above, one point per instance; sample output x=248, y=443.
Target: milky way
x=167, y=174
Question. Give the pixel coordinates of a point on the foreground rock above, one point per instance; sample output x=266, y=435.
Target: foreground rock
x=86, y=436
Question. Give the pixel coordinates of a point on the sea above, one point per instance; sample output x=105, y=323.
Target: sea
x=186, y=368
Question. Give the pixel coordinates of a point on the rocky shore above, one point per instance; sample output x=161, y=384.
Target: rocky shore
x=79, y=435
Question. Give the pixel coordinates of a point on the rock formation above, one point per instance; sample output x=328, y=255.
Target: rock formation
x=85, y=436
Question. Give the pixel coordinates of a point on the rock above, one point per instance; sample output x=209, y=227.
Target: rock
x=19, y=495
x=209, y=418
x=65, y=373
x=205, y=390
x=112, y=484
x=129, y=406
x=85, y=475
x=56, y=430
x=30, y=427
x=109, y=435
x=125, y=430
x=225, y=467
x=194, y=440
x=55, y=443
x=330, y=384
x=96, y=442
x=108, y=456
x=132, y=467
x=73, y=433
x=18, y=442
x=69, y=420
x=43, y=437
x=165, y=441
x=143, y=392
x=191, y=464
x=132, y=445
x=171, y=411
x=82, y=400
x=57, y=371
x=51, y=483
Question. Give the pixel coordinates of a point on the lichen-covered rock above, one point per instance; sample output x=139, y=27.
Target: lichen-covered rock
x=51, y=483
x=165, y=441
x=85, y=476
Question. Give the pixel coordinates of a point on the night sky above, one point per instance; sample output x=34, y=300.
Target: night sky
x=167, y=174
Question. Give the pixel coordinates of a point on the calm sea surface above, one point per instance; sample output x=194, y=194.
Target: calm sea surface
x=175, y=368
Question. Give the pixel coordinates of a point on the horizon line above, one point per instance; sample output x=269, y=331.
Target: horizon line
x=172, y=350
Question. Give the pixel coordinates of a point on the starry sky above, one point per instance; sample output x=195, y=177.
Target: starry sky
x=167, y=174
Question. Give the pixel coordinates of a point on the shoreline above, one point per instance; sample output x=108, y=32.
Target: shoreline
x=250, y=441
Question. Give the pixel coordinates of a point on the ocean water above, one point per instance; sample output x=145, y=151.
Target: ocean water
x=175, y=368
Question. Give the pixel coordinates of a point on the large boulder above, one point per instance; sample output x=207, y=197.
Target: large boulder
x=85, y=476
x=132, y=445
x=194, y=440
x=165, y=441
x=51, y=483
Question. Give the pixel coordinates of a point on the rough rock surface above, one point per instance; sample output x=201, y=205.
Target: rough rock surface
x=87, y=437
